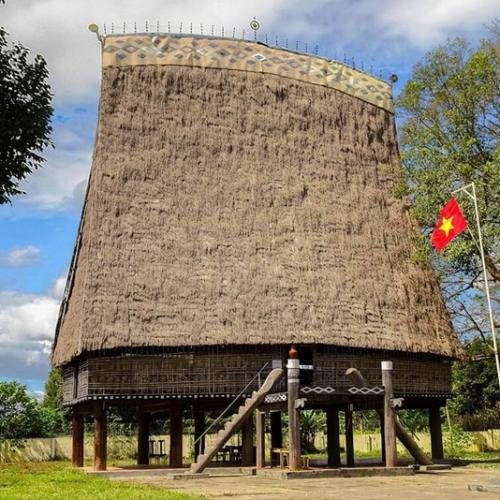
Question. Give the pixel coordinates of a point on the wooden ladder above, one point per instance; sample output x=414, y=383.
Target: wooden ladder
x=237, y=420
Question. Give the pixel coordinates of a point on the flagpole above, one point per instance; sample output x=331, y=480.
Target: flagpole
x=485, y=273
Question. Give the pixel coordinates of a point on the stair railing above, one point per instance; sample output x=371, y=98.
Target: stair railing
x=231, y=404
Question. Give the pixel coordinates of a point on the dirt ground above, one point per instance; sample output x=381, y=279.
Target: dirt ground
x=443, y=485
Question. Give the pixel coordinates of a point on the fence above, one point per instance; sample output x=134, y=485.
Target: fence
x=124, y=448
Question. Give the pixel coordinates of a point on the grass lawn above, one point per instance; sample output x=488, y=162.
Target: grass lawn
x=46, y=480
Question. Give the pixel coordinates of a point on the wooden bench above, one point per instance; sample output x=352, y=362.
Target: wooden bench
x=283, y=455
x=156, y=450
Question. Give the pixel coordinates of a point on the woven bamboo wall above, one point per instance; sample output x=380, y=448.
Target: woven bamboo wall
x=201, y=373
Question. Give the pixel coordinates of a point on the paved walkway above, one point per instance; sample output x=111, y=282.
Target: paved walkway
x=443, y=485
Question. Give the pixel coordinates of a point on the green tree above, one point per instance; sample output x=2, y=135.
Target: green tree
x=311, y=422
x=449, y=135
x=475, y=381
x=21, y=416
x=53, y=401
x=25, y=108
x=53, y=394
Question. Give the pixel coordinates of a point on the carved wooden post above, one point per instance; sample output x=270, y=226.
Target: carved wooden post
x=77, y=427
x=349, y=437
x=175, y=437
x=332, y=437
x=260, y=439
x=142, y=437
x=391, y=457
x=100, y=436
x=199, y=429
x=436, y=433
x=293, y=415
x=247, y=443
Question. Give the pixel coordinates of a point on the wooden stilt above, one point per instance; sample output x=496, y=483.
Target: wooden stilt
x=405, y=437
x=382, y=435
x=142, y=437
x=391, y=457
x=100, y=436
x=199, y=429
x=176, y=437
x=260, y=439
x=77, y=428
x=247, y=443
x=276, y=436
x=349, y=437
x=293, y=414
x=332, y=437
x=436, y=433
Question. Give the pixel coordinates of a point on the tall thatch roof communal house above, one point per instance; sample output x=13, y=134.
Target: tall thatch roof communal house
x=243, y=198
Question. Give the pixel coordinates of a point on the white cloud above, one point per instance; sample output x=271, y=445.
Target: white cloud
x=19, y=257
x=428, y=22
x=27, y=325
x=58, y=287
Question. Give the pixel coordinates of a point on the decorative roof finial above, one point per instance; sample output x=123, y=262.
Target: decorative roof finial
x=255, y=25
x=93, y=28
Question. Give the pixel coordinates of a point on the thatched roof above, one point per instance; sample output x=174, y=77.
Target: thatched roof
x=234, y=207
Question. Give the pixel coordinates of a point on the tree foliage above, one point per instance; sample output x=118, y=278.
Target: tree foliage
x=21, y=416
x=450, y=114
x=475, y=381
x=25, y=108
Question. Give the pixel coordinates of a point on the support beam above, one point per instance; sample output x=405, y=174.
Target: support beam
x=260, y=439
x=143, y=420
x=391, y=456
x=247, y=442
x=332, y=437
x=77, y=428
x=276, y=435
x=199, y=429
x=436, y=433
x=349, y=437
x=100, y=436
x=293, y=414
x=176, y=437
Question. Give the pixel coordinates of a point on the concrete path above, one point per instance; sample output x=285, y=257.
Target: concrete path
x=456, y=484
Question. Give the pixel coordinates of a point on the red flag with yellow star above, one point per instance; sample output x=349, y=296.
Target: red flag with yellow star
x=451, y=223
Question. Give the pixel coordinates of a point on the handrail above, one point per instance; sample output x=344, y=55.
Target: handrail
x=231, y=403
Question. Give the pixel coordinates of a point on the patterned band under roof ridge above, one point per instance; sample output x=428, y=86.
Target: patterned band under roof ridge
x=160, y=49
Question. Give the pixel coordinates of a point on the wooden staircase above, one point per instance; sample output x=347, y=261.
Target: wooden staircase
x=236, y=421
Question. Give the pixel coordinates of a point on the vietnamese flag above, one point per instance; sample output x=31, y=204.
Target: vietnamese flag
x=451, y=223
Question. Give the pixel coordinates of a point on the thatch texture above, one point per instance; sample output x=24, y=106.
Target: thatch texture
x=238, y=208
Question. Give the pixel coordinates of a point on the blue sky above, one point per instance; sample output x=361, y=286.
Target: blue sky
x=37, y=231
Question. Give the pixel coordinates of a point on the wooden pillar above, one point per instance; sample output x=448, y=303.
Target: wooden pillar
x=436, y=433
x=176, y=437
x=199, y=429
x=260, y=439
x=276, y=435
x=77, y=428
x=391, y=457
x=100, y=436
x=382, y=435
x=332, y=437
x=293, y=414
x=247, y=442
x=142, y=437
x=349, y=437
